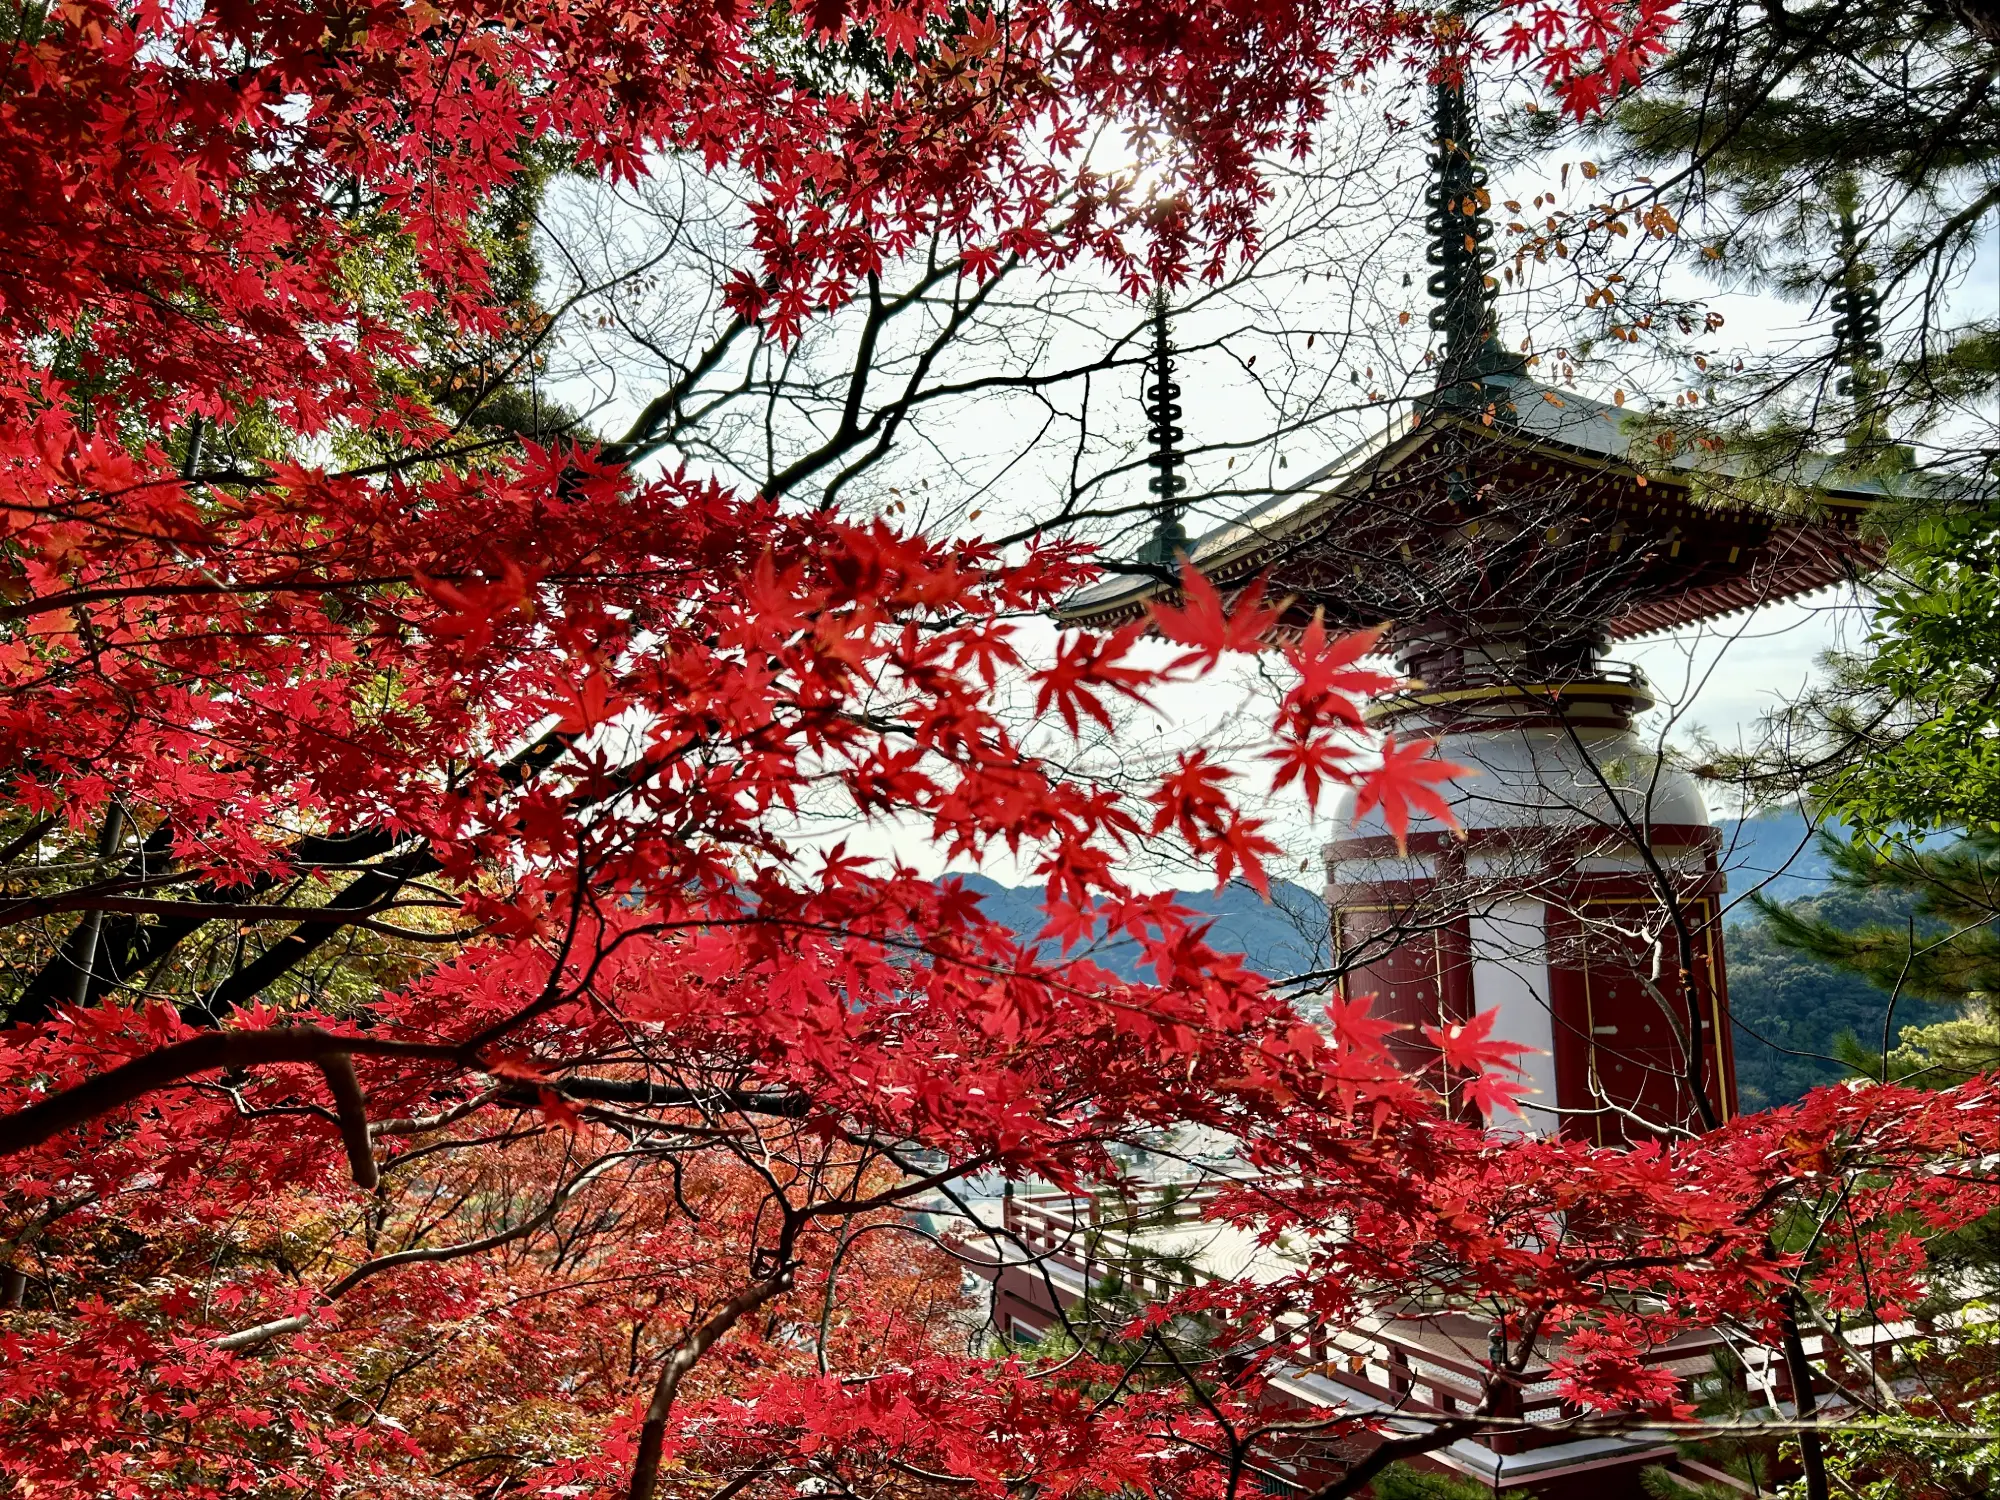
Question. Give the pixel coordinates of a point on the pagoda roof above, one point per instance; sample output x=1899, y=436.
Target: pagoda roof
x=1801, y=545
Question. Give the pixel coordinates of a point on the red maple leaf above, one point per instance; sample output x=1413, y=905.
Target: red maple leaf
x=1404, y=782
x=1207, y=626
x=1330, y=684
x=1085, y=662
x=1311, y=763
x=582, y=706
x=1486, y=1073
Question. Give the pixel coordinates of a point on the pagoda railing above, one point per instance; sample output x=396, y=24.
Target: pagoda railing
x=1415, y=1362
x=1471, y=674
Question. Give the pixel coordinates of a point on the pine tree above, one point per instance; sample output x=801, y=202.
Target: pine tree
x=1838, y=154
x=1909, y=731
x=1945, y=955
x=1948, y=952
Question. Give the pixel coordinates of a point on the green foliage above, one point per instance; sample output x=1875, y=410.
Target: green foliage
x=1791, y=1008
x=1947, y=1051
x=856, y=61
x=1832, y=143
x=485, y=384
x=1922, y=703
x=1912, y=927
x=23, y=22
x=1943, y=948
x=1401, y=1482
x=1919, y=714
x=1941, y=1445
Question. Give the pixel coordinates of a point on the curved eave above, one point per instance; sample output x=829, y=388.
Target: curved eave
x=1236, y=551
x=1788, y=580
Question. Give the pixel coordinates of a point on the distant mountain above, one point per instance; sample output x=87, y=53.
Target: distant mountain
x=1787, y=1008
x=1285, y=936
x=1777, y=853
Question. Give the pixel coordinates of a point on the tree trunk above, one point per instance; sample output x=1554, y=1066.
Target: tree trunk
x=1801, y=1371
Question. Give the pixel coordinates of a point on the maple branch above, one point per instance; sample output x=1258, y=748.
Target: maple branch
x=33, y=833
x=129, y=947
x=111, y=593
x=13, y=1279
x=439, y=1121
x=922, y=1184
x=744, y=1480
x=74, y=598
x=653, y=1432
x=141, y=1076
x=370, y=891
x=995, y=1234
x=56, y=980
x=657, y=422
x=426, y=1254
x=783, y=1105
x=348, y=1101
x=153, y=906
x=263, y=1333
x=852, y=431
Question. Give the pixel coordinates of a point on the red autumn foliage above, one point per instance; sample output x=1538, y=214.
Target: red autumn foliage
x=610, y=1192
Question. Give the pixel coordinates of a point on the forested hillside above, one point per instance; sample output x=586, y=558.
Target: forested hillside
x=1789, y=1007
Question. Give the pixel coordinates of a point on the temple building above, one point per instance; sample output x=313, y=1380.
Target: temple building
x=1511, y=534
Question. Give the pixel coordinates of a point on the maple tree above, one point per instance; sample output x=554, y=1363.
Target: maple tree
x=517, y=1363
x=435, y=1062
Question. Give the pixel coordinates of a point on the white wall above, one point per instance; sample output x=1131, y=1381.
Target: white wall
x=1510, y=975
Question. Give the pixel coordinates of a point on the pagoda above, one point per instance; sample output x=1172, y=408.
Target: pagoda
x=1511, y=533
